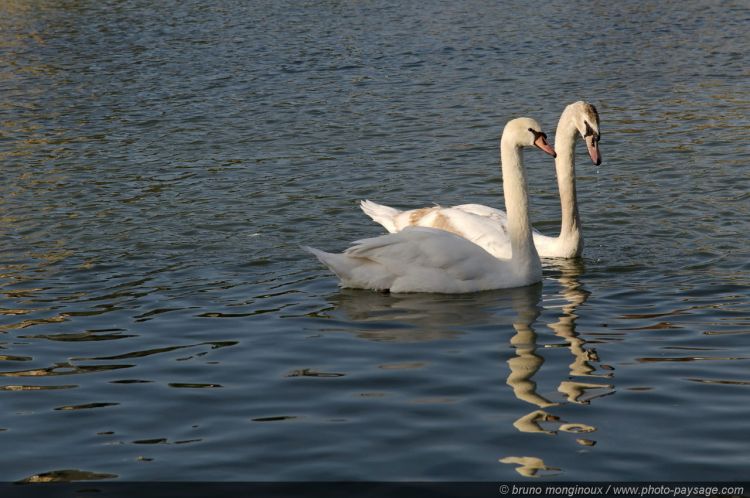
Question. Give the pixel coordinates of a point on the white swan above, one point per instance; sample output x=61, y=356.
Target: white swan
x=420, y=259
x=487, y=226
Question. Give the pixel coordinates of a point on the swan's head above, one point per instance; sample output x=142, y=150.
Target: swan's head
x=526, y=132
x=586, y=120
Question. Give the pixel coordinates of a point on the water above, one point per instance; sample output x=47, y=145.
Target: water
x=163, y=162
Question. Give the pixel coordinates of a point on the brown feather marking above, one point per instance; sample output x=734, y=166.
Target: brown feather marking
x=442, y=222
x=418, y=214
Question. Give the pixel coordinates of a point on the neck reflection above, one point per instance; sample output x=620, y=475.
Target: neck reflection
x=584, y=357
x=527, y=362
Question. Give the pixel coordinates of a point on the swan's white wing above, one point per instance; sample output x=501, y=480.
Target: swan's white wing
x=488, y=232
x=482, y=225
x=497, y=215
x=420, y=260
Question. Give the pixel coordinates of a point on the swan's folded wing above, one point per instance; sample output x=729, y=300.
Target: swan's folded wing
x=422, y=246
x=487, y=230
x=493, y=225
x=480, y=210
x=419, y=259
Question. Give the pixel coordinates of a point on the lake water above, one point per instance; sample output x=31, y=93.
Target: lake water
x=162, y=163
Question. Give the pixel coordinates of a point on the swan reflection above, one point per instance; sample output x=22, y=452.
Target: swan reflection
x=527, y=362
x=431, y=317
x=575, y=296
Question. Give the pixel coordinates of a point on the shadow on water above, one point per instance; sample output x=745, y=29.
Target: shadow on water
x=431, y=317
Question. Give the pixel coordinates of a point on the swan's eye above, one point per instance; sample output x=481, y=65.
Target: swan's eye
x=595, y=137
x=537, y=134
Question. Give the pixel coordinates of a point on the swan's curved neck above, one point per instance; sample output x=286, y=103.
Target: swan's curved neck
x=565, y=141
x=517, y=206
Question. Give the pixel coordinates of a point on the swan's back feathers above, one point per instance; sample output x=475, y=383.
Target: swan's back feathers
x=424, y=248
x=419, y=259
x=482, y=225
x=484, y=211
x=485, y=226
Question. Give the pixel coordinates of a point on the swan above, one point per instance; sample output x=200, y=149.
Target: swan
x=487, y=226
x=424, y=259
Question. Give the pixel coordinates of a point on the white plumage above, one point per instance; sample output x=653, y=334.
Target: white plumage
x=420, y=259
x=425, y=259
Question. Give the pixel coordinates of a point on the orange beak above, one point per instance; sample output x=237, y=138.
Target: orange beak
x=541, y=142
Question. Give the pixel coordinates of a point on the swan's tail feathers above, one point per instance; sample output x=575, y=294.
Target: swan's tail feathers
x=384, y=215
x=353, y=271
x=337, y=263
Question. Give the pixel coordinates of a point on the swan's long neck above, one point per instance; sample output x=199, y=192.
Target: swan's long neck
x=517, y=206
x=565, y=141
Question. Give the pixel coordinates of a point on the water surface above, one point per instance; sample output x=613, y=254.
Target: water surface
x=163, y=163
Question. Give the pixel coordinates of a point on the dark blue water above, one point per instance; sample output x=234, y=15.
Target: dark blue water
x=162, y=163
